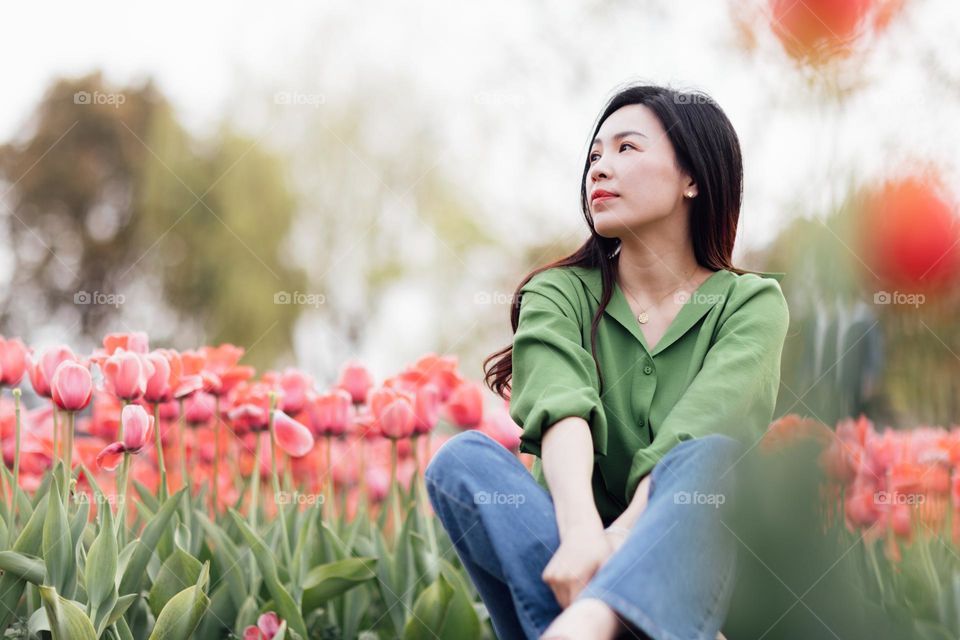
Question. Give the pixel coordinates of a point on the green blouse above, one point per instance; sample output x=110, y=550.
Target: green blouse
x=715, y=370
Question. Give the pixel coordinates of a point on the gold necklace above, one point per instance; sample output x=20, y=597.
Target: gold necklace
x=643, y=317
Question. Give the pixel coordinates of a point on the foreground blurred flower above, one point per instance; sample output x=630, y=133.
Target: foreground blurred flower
x=817, y=31
x=13, y=361
x=910, y=236
x=137, y=431
x=291, y=436
x=267, y=627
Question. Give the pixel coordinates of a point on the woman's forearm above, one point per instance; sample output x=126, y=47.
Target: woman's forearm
x=632, y=513
x=567, y=454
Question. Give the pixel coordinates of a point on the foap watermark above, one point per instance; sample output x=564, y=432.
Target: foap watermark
x=493, y=297
x=98, y=97
x=82, y=497
x=898, y=297
x=300, y=298
x=497, y=498
x=295, y=497
x=98, y=297
x=894, y=497
x=683, y=297
x=712, y=499
x=299, y=99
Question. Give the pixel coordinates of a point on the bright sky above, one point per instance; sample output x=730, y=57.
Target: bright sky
x=513, y=104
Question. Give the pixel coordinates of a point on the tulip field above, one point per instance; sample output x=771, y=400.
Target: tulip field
x=163, y=494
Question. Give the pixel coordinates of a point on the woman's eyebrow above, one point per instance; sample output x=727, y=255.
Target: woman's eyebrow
x=622, y=134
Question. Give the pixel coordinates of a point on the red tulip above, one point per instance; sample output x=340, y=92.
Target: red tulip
x=135, y=341
x=13, y=361
x=911, y=236
x=72, y=386
x=818, y=30
x=165, y=379
x=465, y=406
x=295, y=385
x=356, y=380
x=292, y=437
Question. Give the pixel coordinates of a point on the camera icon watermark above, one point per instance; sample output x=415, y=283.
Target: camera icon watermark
x=698, y=498
x=299, y=298
x=897, y=297
x=692, y=98
x=98, y=97
x=297, y=99
x=497, y=498
x=112, y=299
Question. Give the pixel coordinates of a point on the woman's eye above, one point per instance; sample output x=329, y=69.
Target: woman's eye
x=626, y=144
x=594, y=156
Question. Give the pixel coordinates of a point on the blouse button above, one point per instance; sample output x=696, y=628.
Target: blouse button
x=648, y=369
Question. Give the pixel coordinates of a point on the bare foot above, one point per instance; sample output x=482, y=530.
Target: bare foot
x=585, y=619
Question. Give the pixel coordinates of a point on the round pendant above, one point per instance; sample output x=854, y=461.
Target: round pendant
x=643, y=317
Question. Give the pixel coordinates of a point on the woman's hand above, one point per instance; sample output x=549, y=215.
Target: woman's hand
x=581, y=552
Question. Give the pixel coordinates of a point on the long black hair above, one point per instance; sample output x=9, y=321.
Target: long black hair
x=706, y=148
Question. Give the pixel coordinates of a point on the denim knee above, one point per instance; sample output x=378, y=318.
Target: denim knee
x=453, y=455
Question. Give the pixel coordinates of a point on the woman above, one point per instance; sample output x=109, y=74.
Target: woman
x=643, y=367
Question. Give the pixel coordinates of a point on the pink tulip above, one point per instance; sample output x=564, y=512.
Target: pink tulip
x=356, y=380
x=41, y=369
x=13, y=361
x=292, y=437
x=426, y=408
x=500, y=426
x=199, y=408
x=267, y=627
x=397, y=418
x=137, y=427
x=295, y=385
x=135, y=341
x=71, y=386
x=137, y=432
x=126, y=373
x=158, y=388
x=465, y=405
x=329, y=413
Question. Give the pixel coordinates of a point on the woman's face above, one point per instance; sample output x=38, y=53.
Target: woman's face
x=632, y=158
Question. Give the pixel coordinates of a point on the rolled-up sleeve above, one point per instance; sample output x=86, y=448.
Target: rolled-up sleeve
x=735, y=391
x=554, y=375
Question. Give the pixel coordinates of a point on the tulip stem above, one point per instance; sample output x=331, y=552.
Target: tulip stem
x=68, y=454
x=328, y=481
x=394, y=486
x=122, y=508
x=181, y=435
x=276, y=481
x=164, y=489
x=15, y=490
x=214, y=499
x=56, y=433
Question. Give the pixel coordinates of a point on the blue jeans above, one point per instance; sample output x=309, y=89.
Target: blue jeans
x=671, y=579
